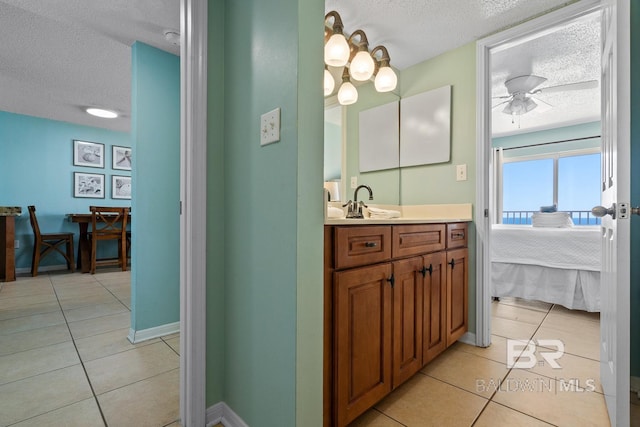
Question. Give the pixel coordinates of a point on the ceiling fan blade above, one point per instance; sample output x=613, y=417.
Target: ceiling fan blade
x=543, y=106
x=497, y=105
x=502, y=97
x=588, y=84
x=523, y=84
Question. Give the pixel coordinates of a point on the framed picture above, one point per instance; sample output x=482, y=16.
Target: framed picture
x=121, y=158
x=120, y=187
x=90, y=154
x=89, y=185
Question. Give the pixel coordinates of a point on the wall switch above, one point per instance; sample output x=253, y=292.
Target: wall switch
x=461, y=172
x=354, y=182
x=270, y=127
x=16, y=244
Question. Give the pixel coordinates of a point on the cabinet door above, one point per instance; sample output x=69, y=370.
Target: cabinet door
x=362, y=331
x=457, y=294
x=434, y=304
x=407, y=319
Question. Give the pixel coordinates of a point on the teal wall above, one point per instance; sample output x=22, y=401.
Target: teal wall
x=36, y=168
x=265, y=298
x=585, y=130
x=155, y=133
x=635, y=188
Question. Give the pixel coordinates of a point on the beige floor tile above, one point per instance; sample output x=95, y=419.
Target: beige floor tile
x=585, y=343
x=118, y=370
x=152, y=402
x=576, y=324
x=514, y=312
x=120, y=295
x=99, y=325
x=558, y=309
x=118, y=286
x=21, y=324
x=83, y=301
x=497, y=351
x=584, y=372
x=93, y=311
x=64, y=295
x=514, y=329
x=77, y=277
x=495, y=415
x=467, y=371
x=76, y=286
x=101, y=345
x=33, y=338
x=29, y=310
x=21, y=289
x=126, y=302
x=543, y=398
x=25, y=301
x=533, y=305
x=37, y=361
x=174, y=343
x=81, y=414
x=425, y=401
x=37, y=395
x=374, y=418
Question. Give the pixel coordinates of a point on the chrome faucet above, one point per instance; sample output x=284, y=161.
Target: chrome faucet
x=355, y=208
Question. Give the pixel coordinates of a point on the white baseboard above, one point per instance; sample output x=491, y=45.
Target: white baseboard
x=468, y=338
x=221, y=413
x=158, y=331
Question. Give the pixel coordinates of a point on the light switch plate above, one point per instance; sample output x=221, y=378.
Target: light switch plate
x=270, y=127
x=461, y=172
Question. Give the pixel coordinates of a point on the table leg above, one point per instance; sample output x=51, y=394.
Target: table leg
x=7, y=251
x=84, y=248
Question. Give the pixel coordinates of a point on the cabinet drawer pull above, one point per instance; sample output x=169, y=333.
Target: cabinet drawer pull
x=452, y=263
x=391, y=280
x=425, y=269
x=370, y=244
x=458, y=235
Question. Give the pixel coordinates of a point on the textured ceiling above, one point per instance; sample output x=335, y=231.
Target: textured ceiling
x=59, y=56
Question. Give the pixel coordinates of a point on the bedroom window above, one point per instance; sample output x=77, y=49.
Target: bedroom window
x=569, y=180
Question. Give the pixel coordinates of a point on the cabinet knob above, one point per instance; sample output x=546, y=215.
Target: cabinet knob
x=452, y=263
x=392, y=280
x=370, y=244
x=425, y=269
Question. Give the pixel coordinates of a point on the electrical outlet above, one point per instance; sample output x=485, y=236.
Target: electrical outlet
x=354, y=182
x=16, y=244
x=270, y=127
x=461, y=172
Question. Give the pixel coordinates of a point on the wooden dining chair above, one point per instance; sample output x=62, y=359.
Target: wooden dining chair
x=109, y=223
x=46, y=243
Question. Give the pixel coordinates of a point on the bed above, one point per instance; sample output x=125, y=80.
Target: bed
x=555, y=265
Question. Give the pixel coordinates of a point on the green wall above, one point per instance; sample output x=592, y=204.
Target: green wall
x=436, y=184
x=155, y=133
x=268, y=244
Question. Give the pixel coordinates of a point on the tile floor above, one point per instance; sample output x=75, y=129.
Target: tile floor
x=65, y=358
x=472, y=386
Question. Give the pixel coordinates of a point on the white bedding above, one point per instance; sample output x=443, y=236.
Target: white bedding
x=555, y=265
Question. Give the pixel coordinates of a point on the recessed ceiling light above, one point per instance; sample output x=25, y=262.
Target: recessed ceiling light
x=105, y=114
x=172, y=37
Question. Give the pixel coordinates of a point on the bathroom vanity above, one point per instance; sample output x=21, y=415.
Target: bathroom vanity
x=396, y=296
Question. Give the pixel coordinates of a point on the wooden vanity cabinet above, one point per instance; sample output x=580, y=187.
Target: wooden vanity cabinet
x=395, y=298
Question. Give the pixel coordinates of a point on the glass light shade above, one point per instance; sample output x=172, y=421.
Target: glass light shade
x=336, y=51
x=99, y=112
x=386, y=80
x=329, y=83
x=347, y=94
x=362, y=66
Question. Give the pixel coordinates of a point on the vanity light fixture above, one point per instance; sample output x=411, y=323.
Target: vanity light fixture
x=336, y=47
x=359, y=64
x=347, y=94
x=329, y=82
x=386, y=79
x=99, y=112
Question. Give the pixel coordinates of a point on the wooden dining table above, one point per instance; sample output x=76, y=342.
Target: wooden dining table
x=84, y=246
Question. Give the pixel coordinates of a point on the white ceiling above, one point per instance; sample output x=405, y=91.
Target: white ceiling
x=60, y=56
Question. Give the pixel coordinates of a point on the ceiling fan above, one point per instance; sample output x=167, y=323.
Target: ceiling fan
x=522, y=89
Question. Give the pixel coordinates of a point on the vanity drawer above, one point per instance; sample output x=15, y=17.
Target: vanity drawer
x=356, y=246
x=457, y=235
x=417, y=239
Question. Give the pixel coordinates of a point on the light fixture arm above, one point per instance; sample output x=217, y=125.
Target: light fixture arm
x=337, y=26
x=384, y=57
x=361, y=45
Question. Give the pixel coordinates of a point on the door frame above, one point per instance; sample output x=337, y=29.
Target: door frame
x=485, y=212
x=193, y=192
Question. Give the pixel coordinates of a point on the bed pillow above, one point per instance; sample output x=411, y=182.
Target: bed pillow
x=551, y=219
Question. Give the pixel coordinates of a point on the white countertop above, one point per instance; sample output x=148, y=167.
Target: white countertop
x=410, y=214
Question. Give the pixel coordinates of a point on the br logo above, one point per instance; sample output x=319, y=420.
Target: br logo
x=521, y=354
